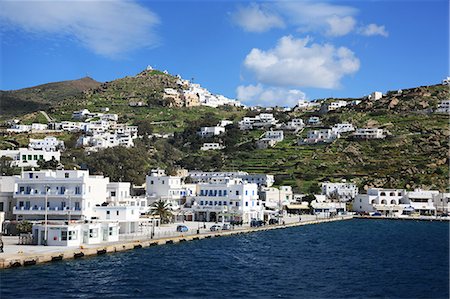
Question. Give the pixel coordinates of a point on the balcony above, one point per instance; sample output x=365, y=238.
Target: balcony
x=50, y=194
x=50, y=211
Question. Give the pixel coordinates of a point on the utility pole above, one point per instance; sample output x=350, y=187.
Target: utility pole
x=46, y=214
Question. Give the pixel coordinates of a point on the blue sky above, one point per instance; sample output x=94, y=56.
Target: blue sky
x=269, y=53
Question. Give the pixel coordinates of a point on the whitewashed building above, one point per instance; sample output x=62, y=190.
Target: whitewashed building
x=18, y=128
x=335, y=105
x=376, y=95
x=295, y=124
x=320, y=136
x=260, y=121
x=224, y=200
x=326, y=208
x=314, y=120
x=443, y=107
x=206, y=132
x=49, y=144
x=276, y=198
x=75, y=234
x=24, y=157
x=344, y=191
x=69, y=193
x=369, y=133
x=171, y=189
x=211, y=146
x=6, y=196
x=278, y=136
x=343, y=128
x=81, y=114
x=386, y=201
x=255, y=178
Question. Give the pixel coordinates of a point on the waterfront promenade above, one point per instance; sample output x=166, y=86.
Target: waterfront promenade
x=26, y=255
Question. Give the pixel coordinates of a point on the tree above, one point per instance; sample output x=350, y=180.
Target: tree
x=314, y=188
x=6, y=167
x=24, y=227
x=52, y=164
x=162, y=209
x=145, y=128
x=121, y=164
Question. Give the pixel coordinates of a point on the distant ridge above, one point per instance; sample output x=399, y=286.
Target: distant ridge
x=43, y=96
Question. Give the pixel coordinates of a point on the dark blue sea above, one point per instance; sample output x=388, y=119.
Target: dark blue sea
x=357, y=259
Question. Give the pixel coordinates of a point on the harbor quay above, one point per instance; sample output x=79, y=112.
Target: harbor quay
x=15, y=255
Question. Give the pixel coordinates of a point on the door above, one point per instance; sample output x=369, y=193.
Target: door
x=85, y=237
x=105, y=234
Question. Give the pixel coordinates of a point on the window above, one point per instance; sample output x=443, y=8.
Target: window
x=66, y=175
x=30, y=175
x=24, y=157
x=63, y=235
x=21, y=189
x=108, y=212
x=111, y=231
x=41, y=157
x=78, y=190
x=117, y=213
x=237, y=192
x=35, y=157
x=237, y=204
x=93, y=233
x=201, y=202
x=220, y=192
x=224, y=192
x=220, y=203
x=30, y=157
x=211, y=203
x=77, y=205
x=72, y=235
x=151, y=182
x=246, y=192
x=62, y=190
x=246, y=203
x=113, y=193
x=162, y=182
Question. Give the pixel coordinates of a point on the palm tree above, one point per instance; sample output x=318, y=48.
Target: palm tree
x=162, y=209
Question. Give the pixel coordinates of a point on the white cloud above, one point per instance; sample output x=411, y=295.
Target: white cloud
x=307, y=16
x=108, y=28
x=373, y=29
x=268, y=96
x=340, y=26
x=293, y=62
x=256, y=18
x=330, y=19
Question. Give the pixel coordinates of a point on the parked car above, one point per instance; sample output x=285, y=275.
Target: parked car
x=376, y=214
x=273, y=221
x=236, y=222
x=226, y=226
x=215, y=228
x=182, y=228
x=256, y=223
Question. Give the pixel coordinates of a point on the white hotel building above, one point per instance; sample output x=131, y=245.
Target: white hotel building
x=71, y=193
x=225, y=199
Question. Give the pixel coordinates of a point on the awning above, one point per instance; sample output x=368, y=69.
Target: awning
x=297, y=207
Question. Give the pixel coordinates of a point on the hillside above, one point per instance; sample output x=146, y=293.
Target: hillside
x=42, y=97
x=414, y=155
